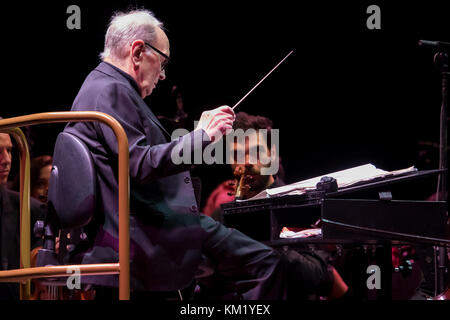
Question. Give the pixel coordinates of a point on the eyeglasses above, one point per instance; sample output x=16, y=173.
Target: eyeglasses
x=166, y=57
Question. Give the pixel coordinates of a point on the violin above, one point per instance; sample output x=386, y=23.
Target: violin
x=240, y=185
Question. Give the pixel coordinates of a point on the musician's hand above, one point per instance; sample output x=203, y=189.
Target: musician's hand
x=217, y=122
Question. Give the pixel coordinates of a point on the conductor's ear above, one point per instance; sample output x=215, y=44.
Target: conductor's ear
x=137, y=51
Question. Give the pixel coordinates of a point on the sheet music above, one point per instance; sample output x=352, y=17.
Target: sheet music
x=344, y=178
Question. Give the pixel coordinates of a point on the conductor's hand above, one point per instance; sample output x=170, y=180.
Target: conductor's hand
x=217, y=122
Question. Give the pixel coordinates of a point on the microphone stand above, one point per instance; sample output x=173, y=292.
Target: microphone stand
x=441, y=62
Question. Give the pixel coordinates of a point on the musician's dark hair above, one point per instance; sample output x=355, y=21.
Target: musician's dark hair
x=246, y=121
x=36, y=164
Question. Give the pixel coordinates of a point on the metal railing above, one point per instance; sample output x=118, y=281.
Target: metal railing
x=25, y=273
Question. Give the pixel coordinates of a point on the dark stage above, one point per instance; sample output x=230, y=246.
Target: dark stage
x=347, y=96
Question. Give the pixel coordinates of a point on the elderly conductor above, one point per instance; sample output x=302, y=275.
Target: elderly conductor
x=168, y=233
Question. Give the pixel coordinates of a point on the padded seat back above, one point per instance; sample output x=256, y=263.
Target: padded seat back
x=72, y=187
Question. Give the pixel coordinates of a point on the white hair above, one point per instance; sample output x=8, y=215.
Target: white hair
x=124, y=28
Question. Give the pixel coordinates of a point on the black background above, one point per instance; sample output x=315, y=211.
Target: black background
x=346, y=96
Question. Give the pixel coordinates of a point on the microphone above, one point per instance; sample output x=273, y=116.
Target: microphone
x=435, y=44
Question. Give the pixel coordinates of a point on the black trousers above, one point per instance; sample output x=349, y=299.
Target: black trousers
x=243, y=268
x=247, y=269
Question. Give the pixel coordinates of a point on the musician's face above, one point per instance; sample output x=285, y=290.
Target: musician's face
x=40, y=189
x=257, y=156
x=5, y=157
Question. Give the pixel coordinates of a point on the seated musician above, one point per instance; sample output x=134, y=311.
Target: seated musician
x=10, y=221
x=248, y=180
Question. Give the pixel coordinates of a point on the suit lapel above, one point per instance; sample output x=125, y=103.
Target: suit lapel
x=154, y=119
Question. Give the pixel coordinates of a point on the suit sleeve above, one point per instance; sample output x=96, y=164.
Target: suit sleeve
x=147, y=162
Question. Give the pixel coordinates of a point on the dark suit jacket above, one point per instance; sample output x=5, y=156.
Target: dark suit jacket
x=10, y=237
x=164, y=227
